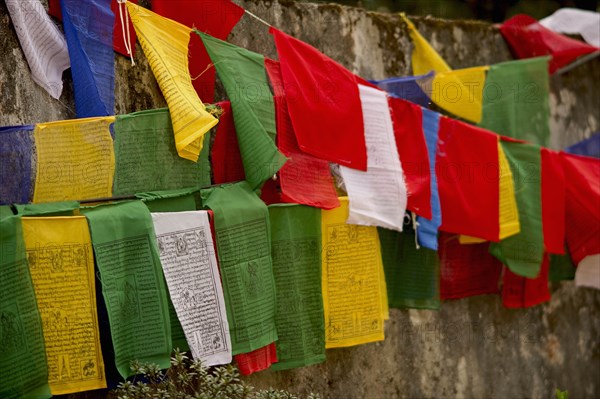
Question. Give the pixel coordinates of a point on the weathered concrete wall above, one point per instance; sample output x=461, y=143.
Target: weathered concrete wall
x=470, y=348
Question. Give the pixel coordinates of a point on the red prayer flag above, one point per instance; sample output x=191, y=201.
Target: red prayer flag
x=323, y=102
x=466, y=270
x=257, y=360
x=304, y=179
x=226, y=161
x=522, y=292
x=467, y=172
x=410, y=141
x=582, y=178
x=215, y=17
x=118, y=41
x=553, y=202
x=527, y=38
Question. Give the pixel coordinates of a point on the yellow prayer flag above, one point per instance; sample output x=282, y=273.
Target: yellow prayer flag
x=353, y=299
x=509, y=213
x=165, y=43
x=424, y=58
x=460, y=92
x=59, y=252
x=75, y=160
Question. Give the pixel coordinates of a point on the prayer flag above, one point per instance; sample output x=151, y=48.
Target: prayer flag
x=16, y=170
x=424, y=57
x=133, y=285
x=245, y=79
x=61, y=262
x=165, y=43
x=75, y=160
x=323, y=102
x=243, y=239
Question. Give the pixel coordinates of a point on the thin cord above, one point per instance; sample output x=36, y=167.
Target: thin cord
x=125, y=32
x=257, y=18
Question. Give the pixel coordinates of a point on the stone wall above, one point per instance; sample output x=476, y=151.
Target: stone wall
x=472, y=347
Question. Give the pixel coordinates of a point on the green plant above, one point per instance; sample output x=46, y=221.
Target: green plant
x=189, y=379
x=561, y=394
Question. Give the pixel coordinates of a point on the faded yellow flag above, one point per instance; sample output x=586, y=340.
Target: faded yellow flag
x=165, y=43
x=61, y=262
x=460, y=92
x=509, y=213
x=354, y=297
x=424, y=58
x=75, y=160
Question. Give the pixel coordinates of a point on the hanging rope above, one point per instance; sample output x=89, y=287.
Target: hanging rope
x=125, y=29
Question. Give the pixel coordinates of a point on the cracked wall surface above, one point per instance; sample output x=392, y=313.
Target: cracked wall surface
x=471, y=348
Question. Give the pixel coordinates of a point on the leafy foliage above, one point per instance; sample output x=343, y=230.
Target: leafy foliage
x=189, y=379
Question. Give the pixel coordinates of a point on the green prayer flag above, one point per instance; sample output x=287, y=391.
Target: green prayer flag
x=243, y=237
x=133, y=285
x=146, y=158
x=561, y=268
x=23, y=368
x=412, y=275
x=244, y=77
x=64, y=208
x=296, y=252
x=516, y=100
x=172, y=201
x=523, y=253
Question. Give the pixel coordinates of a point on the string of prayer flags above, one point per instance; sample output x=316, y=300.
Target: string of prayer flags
x=428, y=227
x=225, y=157
x=257, y=360
x=467, y=270
x=133, y=285
x=527, y=38
x=214, y=17
x=354, y=298
x=424, y=58
x=296, y=252
x=318, y=87
x=377, y=196
x=304, y=179
x=523, y=292
x=44, y=46
x=170, y=200
x=582, y=175
x=467, y=175
x=412, y=275
x=88, y=29
x=516, y=101
x=146, y=157
x=589, y=147
x=244, y=251
x=165, y=43
x=118, y=38
x=61, y=262
x=407, y=88
x=16, y=171
x=553, y=202
x=410, y=142
x=243, y=74
x=23, y=352
x=190, y=267
x=75, y=160
x=561, y=268
x=523, y=253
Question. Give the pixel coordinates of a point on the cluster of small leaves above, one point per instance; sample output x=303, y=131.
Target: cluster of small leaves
x=189, y=379
x=562, y=394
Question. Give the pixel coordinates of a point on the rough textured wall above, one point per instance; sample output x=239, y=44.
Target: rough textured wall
x=471, y=347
